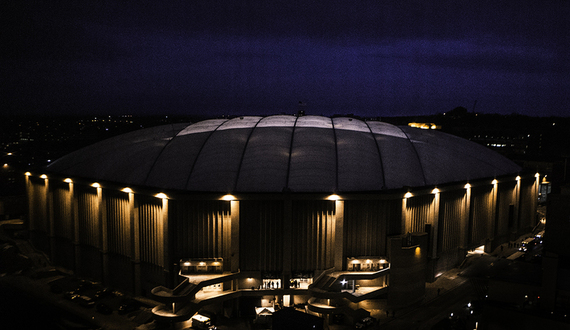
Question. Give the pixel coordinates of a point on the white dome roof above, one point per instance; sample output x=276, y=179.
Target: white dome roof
x=277, y=153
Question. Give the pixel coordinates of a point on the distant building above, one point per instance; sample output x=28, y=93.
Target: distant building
x=308, y=209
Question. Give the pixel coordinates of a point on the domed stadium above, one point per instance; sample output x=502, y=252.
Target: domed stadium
x=284, y=153
x=223, y=213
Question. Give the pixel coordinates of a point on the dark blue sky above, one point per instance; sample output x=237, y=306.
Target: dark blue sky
x=370, y=58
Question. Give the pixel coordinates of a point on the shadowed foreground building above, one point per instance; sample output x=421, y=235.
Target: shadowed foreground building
x=257, y=210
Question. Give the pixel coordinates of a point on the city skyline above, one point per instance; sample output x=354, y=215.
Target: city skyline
x=209, y=59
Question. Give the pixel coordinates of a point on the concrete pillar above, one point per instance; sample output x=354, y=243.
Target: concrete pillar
x=102, y=215
x=494, y=212
x=491, y=232
x=234, y=210
x=133, y=210
x=404, y=225
x=166, y=234
x=339, y=257
x=50, y=219
x=287, y=228
x=29, y=199
x=464, y=228
x=435, y=223
x=74, y=212
x=517, y=204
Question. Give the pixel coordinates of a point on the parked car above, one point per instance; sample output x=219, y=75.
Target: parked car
x=106, y=292
x=129, y=305
x=70, y=295
x=84, y=301
x=104, y=308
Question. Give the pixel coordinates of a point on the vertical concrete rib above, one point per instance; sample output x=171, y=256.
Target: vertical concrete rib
x=200, y=151
x=379, y=155
x=290, y=153
x=243, y=152
x=416, y=153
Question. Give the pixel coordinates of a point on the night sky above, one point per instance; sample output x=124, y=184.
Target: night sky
x=368, y=58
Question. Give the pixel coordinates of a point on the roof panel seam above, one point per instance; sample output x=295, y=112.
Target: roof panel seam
x=200, y=151
x=243, y=152
x=290, y=153
x=379, y=155
x=416, y=153
x=162, y=150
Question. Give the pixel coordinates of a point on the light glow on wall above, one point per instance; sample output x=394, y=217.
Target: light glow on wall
x=127, y=190
x=494, y=181
x=95, y=185
x=68, y=180
x=27, y=174
x=333, y=197
x=228, y=198
x=408, y=195
x=161, y=196
x=435, y=191
x=467, y=186
x=43, y=176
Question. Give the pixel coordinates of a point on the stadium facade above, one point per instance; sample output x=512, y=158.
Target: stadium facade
x=328, y=212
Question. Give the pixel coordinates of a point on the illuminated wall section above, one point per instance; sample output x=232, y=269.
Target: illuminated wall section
x=89, y=232
x=312, y=235
x=261, y=235
x=419, y=212
x=151, y=253
x=368, y=223
x=38, y=205
x=62, y=250
x=118, y=223
x=529, y=196
x=118, y=248
x=151, y=230
x=481, y=214
x=451, y=213
x=88, y=217
x=202, y=229
x=506, y=217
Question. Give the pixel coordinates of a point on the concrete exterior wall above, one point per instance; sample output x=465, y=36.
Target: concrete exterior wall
x=408, y=256
x=107, y=228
